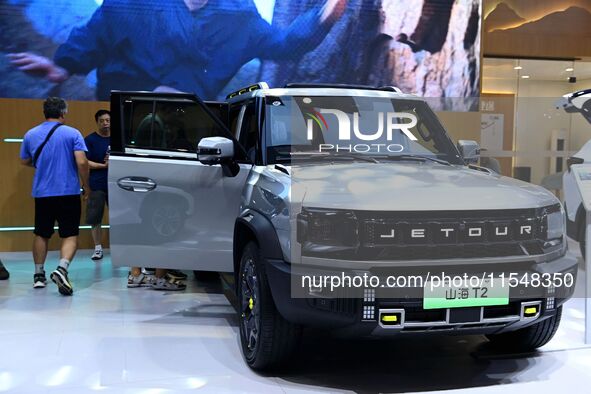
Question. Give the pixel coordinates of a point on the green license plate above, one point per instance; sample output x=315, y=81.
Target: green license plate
x=448, y=296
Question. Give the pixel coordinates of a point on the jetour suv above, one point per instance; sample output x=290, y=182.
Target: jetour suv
x=276, y=188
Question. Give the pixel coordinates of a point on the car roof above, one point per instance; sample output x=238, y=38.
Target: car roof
x=322, y=91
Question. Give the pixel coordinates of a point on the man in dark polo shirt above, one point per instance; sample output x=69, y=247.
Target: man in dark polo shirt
x=98, y=144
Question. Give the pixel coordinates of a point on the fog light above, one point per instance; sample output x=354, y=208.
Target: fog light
x=531, y=310
x=391, y=318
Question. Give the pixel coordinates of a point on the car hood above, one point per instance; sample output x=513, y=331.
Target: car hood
x=410, y=187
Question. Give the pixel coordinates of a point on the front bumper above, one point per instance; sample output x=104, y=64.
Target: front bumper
x=358, y=312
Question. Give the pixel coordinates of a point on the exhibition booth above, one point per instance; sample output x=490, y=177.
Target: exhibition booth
x=281, y=196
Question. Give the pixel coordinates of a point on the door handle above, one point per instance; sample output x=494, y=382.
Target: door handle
x=136, y=184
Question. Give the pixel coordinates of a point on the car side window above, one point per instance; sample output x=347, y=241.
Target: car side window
x=169, y=125
x=248, y=136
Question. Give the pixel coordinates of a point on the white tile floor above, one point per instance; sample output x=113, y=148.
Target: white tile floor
x=109, y=338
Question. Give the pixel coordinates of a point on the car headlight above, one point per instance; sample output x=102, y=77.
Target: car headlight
x=555, y=225
x=327, y=227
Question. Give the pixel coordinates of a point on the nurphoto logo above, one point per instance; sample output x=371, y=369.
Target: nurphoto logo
x=388, y=123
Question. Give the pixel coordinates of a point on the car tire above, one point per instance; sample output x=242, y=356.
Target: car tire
x=529, y=338
x=267, y=339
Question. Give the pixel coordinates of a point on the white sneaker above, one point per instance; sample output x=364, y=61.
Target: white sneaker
x=97, y=255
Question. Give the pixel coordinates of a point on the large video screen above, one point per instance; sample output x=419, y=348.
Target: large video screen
x=83, y=49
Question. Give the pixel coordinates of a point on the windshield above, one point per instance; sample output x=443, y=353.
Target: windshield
x=374, y=128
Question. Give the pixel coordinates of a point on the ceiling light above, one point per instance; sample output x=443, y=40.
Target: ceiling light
x=570, y=69
x=525, y=76
x=517, y=68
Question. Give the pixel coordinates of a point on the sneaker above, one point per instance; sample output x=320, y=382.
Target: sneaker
x=4, y=274
x=176, y=274
x=97, y=255
x=60, y=278
x=141, y=280
x=169, y=284
x=39, y=281
x=148, y=271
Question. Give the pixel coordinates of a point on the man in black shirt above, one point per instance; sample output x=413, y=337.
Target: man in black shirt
x=98, y=144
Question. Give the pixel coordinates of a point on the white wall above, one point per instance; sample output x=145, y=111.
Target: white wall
x=536, y=117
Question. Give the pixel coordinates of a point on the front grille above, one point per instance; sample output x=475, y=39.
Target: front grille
x=373, y=235
x=450, y=228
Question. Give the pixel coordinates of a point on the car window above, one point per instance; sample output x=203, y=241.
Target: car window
x=168, y=125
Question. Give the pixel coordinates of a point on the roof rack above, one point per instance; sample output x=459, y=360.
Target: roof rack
x=251, y=88
x=342, y=86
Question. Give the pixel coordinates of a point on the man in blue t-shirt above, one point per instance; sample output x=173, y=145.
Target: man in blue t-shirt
x=57, y=152
x=99, y=145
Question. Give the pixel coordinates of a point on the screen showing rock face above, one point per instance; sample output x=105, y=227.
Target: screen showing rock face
x=83, y=49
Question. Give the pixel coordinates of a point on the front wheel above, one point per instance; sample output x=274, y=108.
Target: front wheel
x=529, y=338
x=267, y=339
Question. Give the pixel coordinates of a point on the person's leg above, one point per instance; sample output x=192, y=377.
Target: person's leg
x=40, y=246
x=97, y=234
x=95, y=209
x=69, y=248
x=97, y=237
x=45, y=211
x=68, y=221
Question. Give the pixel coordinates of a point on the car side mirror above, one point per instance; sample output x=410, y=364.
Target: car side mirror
x=573, y=160
x=215, y=150
x=218, y=150
x=470, y=151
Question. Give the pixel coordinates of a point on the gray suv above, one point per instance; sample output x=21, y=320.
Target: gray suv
x=280, y=189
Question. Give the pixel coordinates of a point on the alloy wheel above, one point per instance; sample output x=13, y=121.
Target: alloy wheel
x=250, y=308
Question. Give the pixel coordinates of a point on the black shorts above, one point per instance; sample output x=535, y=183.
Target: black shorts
x=95, y=207
x=63, y=209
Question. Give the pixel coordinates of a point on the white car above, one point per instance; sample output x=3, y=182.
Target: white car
x=279, y=187
x=578, y=102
